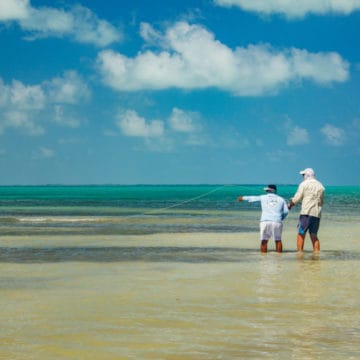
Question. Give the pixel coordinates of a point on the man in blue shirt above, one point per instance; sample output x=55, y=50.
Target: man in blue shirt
x=274, y=211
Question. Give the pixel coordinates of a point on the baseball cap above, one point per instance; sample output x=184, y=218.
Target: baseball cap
x=271, y=188
x=307, y=171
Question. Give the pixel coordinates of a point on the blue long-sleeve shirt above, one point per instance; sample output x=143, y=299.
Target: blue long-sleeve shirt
x=274, y=207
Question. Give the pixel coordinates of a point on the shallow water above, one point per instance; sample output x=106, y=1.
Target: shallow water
x=106, y=210
x=76, y=282
x=179, y=296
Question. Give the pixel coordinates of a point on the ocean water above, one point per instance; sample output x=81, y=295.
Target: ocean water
x=173, y=273
x=147, y=209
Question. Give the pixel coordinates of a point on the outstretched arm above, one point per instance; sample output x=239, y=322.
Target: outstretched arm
x=249, y=198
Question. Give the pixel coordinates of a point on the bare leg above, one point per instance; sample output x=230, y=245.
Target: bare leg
x=278, y=246
x=316, y=242
x=263, y=247
x=300, y=242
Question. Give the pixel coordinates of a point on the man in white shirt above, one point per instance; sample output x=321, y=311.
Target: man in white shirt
x=311, y=194
x=274, y=211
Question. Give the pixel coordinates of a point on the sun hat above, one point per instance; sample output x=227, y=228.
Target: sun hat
x=308, y=172
x=271, y=188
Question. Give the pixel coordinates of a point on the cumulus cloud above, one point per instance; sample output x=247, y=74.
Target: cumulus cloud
x=297, y=136
x=294, y=8
x=68, y=89
x=62, y=118
x=13, y=9
x=184, y=121
x=189, y=57
x=17, y=104
x=131, y=124
x=181, y=127
x=20, y=120
x=188, y=125
x=26, y=97
x=79, y=23
x=334, y=136
x=43, y=153
x=27, y=107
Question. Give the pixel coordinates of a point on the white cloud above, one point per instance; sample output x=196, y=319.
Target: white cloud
x=190, y=57
x=316, y=66
x=180, y=128
x=13, y=9
x=69, y=89
x=25, y=107
x=78, y=23
x=297, y=136
x=294, y=8
x=131, y=124
x=18, y=102
x=63, y=119
x=333, y=135
x=20, y=120
x=26, y=97
x=43, y=153
x=184, y=121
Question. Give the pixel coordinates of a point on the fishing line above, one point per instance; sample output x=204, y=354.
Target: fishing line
x=185, y=201
x=191, y=199
x=155, y=211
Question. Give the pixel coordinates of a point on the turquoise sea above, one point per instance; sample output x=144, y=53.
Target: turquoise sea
x=144, y=209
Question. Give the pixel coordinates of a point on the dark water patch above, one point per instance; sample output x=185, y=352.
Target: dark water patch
x=119, y=229
x=31, y=282
x=158, y=254
x=120, y=254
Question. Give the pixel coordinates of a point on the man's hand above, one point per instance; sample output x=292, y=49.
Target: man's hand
x=240, y=198
x=290, y=205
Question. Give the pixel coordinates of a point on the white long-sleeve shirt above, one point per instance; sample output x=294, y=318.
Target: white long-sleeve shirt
x=311, y=194
x=273, y=207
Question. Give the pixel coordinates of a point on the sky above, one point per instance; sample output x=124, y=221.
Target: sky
x=179, y=92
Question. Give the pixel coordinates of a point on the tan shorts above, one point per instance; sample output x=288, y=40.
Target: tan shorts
x=269, y=229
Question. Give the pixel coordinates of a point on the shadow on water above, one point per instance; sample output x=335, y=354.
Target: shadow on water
x=155, y=254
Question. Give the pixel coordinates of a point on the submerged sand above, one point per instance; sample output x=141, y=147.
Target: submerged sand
x=179, y=296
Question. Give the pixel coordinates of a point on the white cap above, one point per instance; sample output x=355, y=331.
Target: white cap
x=308, y=172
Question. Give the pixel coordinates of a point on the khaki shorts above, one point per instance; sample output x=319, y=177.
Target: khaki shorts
x=269, y=229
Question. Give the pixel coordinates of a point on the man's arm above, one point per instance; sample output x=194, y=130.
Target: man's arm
x=249, y=198
x=290, y=204
x=297, y=197
x=285, y=211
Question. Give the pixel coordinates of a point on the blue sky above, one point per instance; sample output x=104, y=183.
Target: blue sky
x=174, y=92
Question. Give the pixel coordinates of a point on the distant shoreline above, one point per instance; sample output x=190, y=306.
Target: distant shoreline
x=157, y=185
